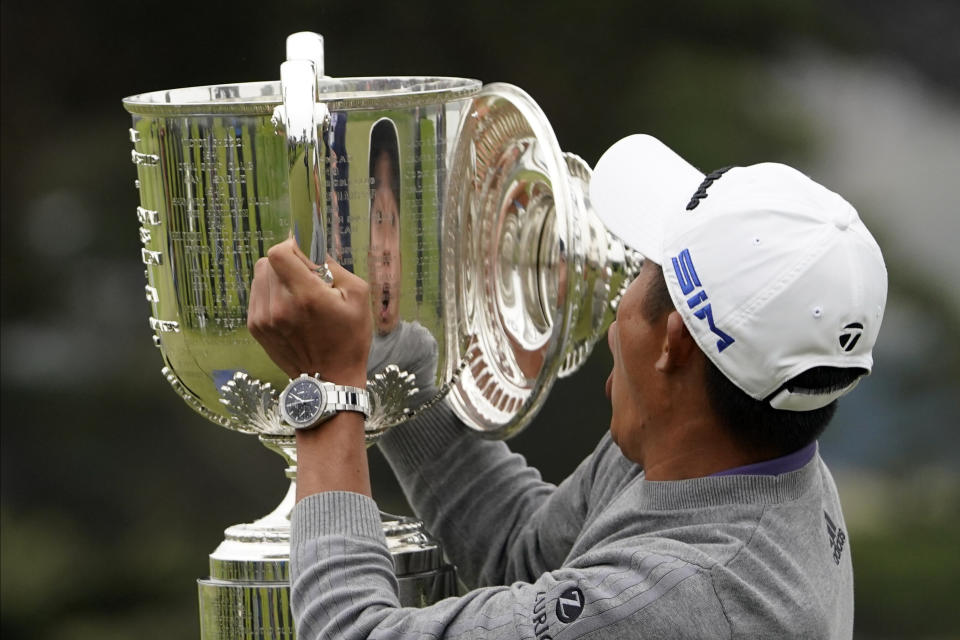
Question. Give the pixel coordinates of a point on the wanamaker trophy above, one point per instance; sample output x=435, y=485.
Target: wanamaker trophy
x=490, y=276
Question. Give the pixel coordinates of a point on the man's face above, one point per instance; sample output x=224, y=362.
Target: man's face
x=384, y=255
x=633, y=386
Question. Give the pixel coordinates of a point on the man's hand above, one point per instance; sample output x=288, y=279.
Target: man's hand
x=306, y=325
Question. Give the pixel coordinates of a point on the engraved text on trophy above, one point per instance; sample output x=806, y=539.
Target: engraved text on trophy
x=216, y=233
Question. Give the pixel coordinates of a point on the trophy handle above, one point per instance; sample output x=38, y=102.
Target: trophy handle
x=298, y=119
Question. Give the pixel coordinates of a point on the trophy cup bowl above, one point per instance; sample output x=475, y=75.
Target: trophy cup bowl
x=489, y=274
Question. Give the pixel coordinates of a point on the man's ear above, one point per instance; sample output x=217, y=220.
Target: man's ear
x=678, y=345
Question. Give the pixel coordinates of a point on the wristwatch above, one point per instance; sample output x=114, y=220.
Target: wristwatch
x=309, y=401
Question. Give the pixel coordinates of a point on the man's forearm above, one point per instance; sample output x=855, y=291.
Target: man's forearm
x=333, y=457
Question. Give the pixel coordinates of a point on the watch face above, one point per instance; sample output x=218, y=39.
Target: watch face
x=303, y=401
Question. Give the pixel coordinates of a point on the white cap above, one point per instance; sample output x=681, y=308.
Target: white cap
x=772, y=273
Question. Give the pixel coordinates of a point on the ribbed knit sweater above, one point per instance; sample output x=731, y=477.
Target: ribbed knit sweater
x=606, y=554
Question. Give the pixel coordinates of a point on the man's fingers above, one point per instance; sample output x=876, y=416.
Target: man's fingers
x=293, y=315
x=300, y=254
x=269, y=306
x=297, y=251
x=345, y=280
x=259, y=310
x=292, y=272
x=338, y=272
x=297, y=272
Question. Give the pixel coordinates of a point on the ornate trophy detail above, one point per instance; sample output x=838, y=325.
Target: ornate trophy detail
x=489, y=274
x=253, y=405
x=390, y=391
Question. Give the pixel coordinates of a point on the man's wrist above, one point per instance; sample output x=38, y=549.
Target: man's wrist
x=333, y=456
x=347, y=426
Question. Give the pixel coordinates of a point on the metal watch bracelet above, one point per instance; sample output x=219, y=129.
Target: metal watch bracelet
x=345, y=398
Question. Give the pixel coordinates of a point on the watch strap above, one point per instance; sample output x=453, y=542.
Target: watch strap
x=345, y=398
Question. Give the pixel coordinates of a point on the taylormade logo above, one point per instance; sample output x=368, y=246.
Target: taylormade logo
x=689, y=282
x=850, y=336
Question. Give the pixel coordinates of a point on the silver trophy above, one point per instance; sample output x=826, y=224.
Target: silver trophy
x=490, y=275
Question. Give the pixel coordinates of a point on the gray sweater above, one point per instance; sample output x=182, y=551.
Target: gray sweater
x=607, y=554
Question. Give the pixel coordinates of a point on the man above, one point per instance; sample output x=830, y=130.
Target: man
x=707, y=511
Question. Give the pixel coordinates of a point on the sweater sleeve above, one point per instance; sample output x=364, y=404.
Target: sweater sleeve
x=498, y=521
x=343, y=587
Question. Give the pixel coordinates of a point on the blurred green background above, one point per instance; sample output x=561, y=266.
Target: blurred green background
x=114, y=491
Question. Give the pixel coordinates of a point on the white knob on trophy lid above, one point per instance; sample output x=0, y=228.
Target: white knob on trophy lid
x=306, y=45
x=298, y=85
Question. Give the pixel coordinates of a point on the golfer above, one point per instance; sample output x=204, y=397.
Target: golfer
x=705, y=511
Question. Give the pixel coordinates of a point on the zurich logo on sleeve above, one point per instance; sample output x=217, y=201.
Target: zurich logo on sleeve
x=690, y=284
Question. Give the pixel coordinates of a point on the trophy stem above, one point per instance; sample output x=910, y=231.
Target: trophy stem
x=247, y=595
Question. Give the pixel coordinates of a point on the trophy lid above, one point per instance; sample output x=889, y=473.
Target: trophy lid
x=260, y=98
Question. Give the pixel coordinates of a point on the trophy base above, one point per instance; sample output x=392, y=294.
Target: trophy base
x=261, y=611
x=247, y=596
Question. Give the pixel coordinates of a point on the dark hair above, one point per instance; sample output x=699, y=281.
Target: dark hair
x=755, y=425
x=383, y=139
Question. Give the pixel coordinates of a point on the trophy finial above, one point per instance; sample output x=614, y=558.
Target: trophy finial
x=306, y=45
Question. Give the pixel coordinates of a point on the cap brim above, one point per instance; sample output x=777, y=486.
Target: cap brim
x=637, y=183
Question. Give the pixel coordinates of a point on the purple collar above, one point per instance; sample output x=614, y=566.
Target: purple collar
x=783, y=464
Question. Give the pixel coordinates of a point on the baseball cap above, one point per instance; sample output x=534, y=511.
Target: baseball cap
x=772, y=273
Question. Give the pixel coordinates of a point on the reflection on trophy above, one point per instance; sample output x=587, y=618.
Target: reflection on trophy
x=489, y=274
x=384, y=260
x=396, y=341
